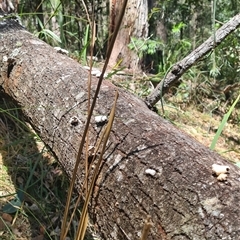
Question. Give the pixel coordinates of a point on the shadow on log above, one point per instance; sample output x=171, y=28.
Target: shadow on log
x=150, y=167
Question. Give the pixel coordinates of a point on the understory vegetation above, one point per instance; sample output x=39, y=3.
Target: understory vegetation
x=33, y=187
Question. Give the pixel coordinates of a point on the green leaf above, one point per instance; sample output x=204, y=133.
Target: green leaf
x=51, y=34
x=225, y=119
x=14, y=204
x=176, y=28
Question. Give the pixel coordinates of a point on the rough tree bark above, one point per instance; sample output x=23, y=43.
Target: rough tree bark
x=151, y=167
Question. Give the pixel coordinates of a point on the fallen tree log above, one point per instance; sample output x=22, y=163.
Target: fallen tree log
x=151, y=168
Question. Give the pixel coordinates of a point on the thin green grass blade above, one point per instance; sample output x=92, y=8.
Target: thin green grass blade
x=225, y=119
x=86, y=43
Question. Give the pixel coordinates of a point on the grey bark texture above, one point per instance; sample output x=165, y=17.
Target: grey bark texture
x=150, y=167
x=182, y=66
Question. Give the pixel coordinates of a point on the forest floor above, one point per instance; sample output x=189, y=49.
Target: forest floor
x=32, y=181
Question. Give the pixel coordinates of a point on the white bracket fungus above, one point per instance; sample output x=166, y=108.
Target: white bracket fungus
x=100, y=119
x=222, y=177
x=151, y=172
x=61, y=50
x=220, y=171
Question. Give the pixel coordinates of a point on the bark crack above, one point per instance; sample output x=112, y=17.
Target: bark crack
x=11, y=64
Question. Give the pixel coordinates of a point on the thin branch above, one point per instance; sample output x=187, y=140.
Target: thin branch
x=182, y=66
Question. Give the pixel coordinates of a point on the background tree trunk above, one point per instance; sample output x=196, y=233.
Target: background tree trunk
x=151, y=168
x=134, y=24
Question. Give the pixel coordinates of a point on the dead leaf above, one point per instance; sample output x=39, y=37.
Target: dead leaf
x=42, y=229
x=7, y=217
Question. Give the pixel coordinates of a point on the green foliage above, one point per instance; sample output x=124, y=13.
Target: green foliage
x=223, y=123
x=39, y=183
x=82, y=55
x=171, y=52
x=153, y=11
x=53, y=21
x=177, y=28
x=15, y=204
x=228, y=58
x=48, y=35
x=144, y=46
x=176, y=49
x=214, y=71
